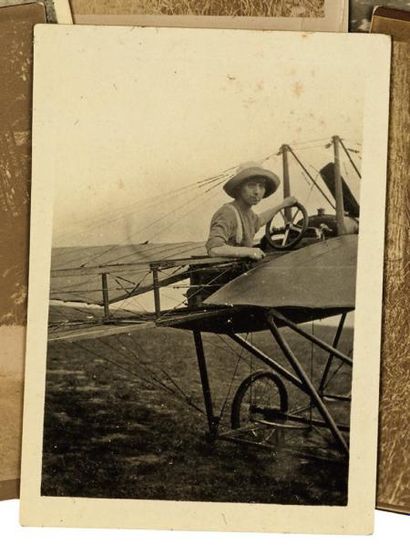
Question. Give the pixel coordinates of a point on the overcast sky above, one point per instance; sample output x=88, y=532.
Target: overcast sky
x=135, y=113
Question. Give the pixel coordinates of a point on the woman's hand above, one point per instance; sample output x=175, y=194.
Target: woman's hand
x=254, y=253
x=267, y=215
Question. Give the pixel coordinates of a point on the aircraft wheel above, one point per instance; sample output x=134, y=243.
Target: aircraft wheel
x=261, y=399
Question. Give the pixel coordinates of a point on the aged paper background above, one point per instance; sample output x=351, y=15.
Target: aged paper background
x=55, y=48
x=393, y=483
x=291, y=15
x=16, y=39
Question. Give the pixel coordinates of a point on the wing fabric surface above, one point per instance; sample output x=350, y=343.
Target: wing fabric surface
x=320, y=276
x=76, y=272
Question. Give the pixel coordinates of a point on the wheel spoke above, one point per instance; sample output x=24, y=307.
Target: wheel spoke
x=294, y=216
x=283, y=215
x=285, y=238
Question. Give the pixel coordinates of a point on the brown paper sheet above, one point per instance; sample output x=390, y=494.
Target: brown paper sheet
x=393, y=489
x=16, y=44
x=17, y=18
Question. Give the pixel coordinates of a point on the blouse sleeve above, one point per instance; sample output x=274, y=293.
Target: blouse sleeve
x=222, y=228
x=257, y=223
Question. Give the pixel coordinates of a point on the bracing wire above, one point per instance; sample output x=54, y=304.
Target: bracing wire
x=198, y=290
x=154, y=382
x=335, y=371
x=213, y=182
x=350, y=158
x=231, y=384
x=145, y=228
x=167, y=375
x=210, y=184
x=132, y=209
x=298, y=160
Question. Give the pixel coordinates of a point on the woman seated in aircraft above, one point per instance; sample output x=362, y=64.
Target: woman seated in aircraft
x=234, y=225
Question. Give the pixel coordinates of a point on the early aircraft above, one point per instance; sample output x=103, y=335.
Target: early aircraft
x=309, y=273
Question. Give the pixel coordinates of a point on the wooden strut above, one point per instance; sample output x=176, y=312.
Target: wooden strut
x=286, y=181
x=330, y=349
x=340, y=210
x=267, y=360
x=157, y=299
x=106, y=300
x=308, y=385
x=213, y=421
x=329, y=361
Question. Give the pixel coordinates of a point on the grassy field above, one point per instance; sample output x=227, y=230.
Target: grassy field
x=113, y=430
x=264, y=8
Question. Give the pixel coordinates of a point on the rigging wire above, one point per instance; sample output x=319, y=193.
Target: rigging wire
x=311, y=177
x=124, y=303
x=350, y=158
x=188, y=298
x=335, y=372
x=154, y=200
x=154, y=377
x=314, y=143
x=218, y=179
x=120, y=213
x=167, y=375
x=319, y=140
x=143, y=229
x=200, y=207
x=230, y=385
x=202, y=183
x=99, y=355
x=101, y=252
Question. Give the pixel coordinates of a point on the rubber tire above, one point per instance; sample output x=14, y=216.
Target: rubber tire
x=244, y=386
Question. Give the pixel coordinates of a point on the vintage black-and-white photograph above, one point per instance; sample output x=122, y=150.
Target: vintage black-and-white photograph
x=291, y=15
x=58, y=11
x=232, y=8
x=361, y=11
x=202, y=283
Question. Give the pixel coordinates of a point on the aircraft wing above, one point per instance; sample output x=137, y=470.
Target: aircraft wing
x=76, y=272
x=319, y=276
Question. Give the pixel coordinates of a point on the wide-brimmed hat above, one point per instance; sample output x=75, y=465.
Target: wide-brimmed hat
x=248, y=172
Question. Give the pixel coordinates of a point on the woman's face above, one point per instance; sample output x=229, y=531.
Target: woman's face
x=252, y=192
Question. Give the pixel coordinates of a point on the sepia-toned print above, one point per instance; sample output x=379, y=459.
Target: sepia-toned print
x=304, y=15
x=57, y=11
x=200, y=269
x=236, y=8
x=360, y=13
